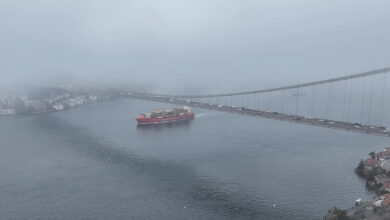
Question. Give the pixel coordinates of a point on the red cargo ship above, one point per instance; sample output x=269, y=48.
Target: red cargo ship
x=170, y=115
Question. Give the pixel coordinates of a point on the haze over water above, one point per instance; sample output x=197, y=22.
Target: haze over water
x=93, y=162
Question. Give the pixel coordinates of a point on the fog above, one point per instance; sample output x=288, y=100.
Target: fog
x=215, y=45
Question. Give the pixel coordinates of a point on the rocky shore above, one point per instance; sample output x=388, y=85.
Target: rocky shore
x=376, y=171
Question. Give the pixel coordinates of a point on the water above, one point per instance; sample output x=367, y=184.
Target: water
x=93, y=162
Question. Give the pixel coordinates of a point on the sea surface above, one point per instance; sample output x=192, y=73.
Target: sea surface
x=94, y=162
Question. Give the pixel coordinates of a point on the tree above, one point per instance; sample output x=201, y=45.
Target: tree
x=361, y=165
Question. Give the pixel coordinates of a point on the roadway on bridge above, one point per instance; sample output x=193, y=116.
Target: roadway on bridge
x=333, y=124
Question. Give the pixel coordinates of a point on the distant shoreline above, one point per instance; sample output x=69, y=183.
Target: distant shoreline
x=53, y=110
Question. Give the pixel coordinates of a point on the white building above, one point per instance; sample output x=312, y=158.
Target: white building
x=7, y=111
x=58, y=106
x=93, y=98
x=35, y=105
x=75, y=102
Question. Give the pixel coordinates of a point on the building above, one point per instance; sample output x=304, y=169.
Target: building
x=35, y=105
x=7, y=111
x=385, y=165
x=370, y=164
x=93, y=98
x=382, y=178
x=58, y=106
x=75, y=102
x=384, y=155
x=386, y=200
x=386, y=187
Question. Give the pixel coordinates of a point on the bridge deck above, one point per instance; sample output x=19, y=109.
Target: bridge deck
x=347, y=126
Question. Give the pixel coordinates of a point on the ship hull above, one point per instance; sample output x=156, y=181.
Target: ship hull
x=148, y=121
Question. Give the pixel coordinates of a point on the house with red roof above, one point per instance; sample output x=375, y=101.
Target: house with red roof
x=370, y=163
x=386, y=187
x=386, y=201
x=383, y=155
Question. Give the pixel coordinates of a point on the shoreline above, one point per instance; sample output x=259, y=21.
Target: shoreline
x=376, y=171
x=53, y=110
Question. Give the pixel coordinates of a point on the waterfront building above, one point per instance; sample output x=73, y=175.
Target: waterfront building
x=384, y=155
x=7, y=111
x=58, y=106
x=385, y=165
x=93, y=98
x=370, y=164
x=75, y=102
x=36, y=105
x=386, y=200
x=386, y=187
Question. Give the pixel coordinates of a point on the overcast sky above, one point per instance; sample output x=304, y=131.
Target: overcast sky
x=221, y=44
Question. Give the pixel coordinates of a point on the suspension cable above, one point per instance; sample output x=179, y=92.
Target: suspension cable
x=345, y=98
x=350, y=99
x=332, y=80
x=327, y=103
x=331, y=100
x=297, y=102
x=382, y=99
x=363, y=100
x=370, y=101
x=283, y=93
x=312, y=100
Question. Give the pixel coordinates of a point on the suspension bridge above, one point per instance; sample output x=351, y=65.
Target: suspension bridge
x=357, y=102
